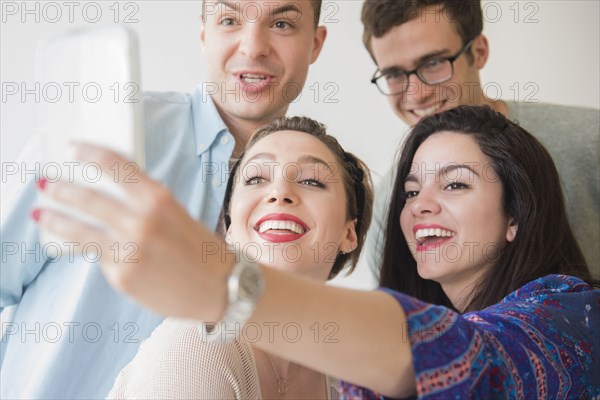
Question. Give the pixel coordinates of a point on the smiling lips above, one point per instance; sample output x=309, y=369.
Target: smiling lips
x=253, y=78
x=431, y=236
x=424, y=112
x=254, y=81
x=281, y=228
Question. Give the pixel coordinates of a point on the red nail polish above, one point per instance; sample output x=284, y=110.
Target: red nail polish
x=35, y=214
x=42, y=183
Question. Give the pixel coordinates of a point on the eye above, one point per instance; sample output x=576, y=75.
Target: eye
x=227, y=21
x=394, y=75
x=255, y=180
x=433, y=64
x=312, y=182
x=282, y=25
x=457, y=186
x=411, y=193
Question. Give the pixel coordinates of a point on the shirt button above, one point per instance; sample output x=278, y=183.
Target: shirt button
x=201, y=146
x=216, y=182
x=225, y=140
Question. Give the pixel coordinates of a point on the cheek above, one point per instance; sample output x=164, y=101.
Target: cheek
x=239, y=212
x=452, y=90
x=295, y=67
x=395, y=102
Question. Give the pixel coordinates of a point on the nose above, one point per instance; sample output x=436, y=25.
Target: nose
x=254, y=41
x=282, y=193
x=424, y=204
x=417, y=91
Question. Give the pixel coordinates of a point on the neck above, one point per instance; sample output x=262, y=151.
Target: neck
x=243, y=128
x=460, y=292
x=482, y=100
x=284, y=367
x=496, y=105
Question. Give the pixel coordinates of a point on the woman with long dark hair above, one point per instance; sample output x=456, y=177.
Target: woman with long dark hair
x=544, y=243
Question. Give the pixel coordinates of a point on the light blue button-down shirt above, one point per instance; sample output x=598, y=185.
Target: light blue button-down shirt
x=72, y=333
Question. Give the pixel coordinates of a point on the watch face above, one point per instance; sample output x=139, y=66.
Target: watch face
x=250, y=283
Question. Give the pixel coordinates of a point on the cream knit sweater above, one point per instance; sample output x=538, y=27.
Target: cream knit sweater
x=174, y=363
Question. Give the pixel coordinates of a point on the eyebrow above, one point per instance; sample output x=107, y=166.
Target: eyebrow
x=443, y=171
x=307, y=159
x=266, y=156
x=285, y=8
x=279, y=10
x=229, y=4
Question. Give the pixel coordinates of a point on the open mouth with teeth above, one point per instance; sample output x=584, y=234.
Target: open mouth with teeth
x=253, y=78
x=280, y=230
x=429, y=238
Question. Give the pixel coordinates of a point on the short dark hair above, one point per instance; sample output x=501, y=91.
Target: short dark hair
x=532, y=196
x=355, y=174
x=379, y=16
x=316, y=5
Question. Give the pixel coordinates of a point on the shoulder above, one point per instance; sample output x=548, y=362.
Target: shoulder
x=551, y=294
x=163, y=104
x=179, y=340
x=562, y=309
x=554, y=117
x=156, y=98
x=175, y=362
x=549, y=285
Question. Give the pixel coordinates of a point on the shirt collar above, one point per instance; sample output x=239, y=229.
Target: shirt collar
x=207, y=121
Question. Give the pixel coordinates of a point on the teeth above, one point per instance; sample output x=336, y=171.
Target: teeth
x=281, y=225
x=252, y=78
x=427, y=111
x=421, y=233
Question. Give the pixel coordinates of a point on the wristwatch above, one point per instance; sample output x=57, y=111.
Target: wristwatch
x=244, y=287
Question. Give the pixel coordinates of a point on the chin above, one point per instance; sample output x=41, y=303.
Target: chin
x=430, y=272
x=257, y=112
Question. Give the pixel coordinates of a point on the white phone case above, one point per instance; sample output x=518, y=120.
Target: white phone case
x=90, y=82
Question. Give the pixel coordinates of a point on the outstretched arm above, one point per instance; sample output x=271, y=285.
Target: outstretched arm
x=356, y=336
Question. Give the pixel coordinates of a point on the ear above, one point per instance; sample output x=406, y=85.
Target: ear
x=511, y=232
x=319, y=40
x=480, y=50
x=350, y=240
x=228, y=236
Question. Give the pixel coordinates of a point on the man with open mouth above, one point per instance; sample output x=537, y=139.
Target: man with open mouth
x=258, y=53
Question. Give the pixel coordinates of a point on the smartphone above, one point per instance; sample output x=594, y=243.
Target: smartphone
x=90, y=92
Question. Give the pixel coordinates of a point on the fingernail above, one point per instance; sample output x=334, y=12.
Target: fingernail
x=42, y=183
x=36, y=214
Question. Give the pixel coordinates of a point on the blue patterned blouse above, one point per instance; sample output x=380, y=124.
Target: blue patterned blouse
x=541, y=341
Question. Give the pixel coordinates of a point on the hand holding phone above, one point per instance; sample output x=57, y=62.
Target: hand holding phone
x=97, y=99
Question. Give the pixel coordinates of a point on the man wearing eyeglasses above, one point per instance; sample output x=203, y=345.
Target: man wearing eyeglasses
x=428, y=56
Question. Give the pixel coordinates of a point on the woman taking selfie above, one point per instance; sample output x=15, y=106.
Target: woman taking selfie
x=488, y=294
x=295, y=201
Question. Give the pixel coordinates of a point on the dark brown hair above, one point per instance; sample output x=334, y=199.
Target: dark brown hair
x=379, y=16
x=532, y=196
x=354, y=173
x=316, y=6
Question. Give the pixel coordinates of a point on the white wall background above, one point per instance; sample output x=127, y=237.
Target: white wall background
x=545, y=50
x=541, y=50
